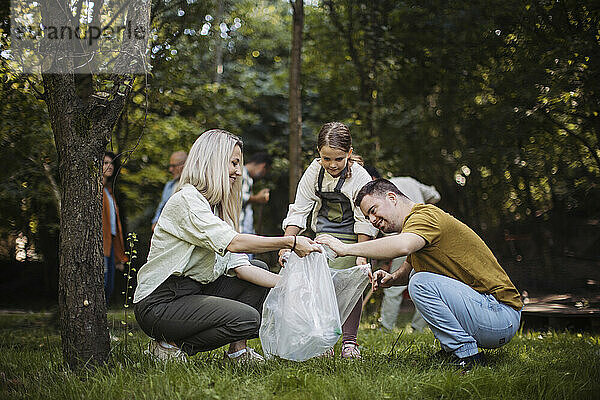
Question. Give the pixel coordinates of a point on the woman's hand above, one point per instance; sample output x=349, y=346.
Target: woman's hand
x=305, y=246
x=334, y=244
x=281, y=253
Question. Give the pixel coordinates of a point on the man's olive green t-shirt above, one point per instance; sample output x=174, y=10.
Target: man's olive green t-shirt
x=454, y=250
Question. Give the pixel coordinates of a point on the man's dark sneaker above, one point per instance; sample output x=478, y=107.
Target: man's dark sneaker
x=467, y=363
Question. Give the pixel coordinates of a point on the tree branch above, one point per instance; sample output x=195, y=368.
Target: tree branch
x=583, y=140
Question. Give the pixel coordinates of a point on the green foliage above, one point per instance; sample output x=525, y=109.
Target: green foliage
x=533, y=365
x=28, y=164
x=493, y=102
x=129, y=274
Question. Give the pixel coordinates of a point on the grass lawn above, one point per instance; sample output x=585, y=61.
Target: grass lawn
x=548, y=365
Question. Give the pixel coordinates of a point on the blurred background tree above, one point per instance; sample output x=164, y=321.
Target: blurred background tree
x=494, y=102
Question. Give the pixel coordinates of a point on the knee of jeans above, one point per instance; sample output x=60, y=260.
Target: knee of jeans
x=260, y=264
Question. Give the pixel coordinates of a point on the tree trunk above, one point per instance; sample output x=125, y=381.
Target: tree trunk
x=82, y=122
x=81, y=302
x=295, y=140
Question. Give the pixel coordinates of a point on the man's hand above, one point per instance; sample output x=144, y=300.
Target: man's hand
x=120, y=267
x=262, y=197
x=382, y=279
x=361, y=260
x=334, y=244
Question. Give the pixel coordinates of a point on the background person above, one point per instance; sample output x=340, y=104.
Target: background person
x=112, y=233
x=197, y=292
x=175, y=166
x=327, y=189
x=460, y=289
x=256, y=168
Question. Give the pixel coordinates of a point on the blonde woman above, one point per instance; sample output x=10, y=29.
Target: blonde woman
x=197, y=291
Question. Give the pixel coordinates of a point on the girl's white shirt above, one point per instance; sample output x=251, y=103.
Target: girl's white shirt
x=306, y=198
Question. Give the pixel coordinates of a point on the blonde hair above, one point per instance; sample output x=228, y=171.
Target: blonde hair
x=337, y=136
x=207, y=169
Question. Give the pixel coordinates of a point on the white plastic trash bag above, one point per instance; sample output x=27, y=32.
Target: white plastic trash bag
x=349, y=286
x=300, y=318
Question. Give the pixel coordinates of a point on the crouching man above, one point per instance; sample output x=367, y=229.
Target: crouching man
x=458, y=286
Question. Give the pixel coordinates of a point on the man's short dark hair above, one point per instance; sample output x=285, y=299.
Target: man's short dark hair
x=378, y=187
x=260, y=158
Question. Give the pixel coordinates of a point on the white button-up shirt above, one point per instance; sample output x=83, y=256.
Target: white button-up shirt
x=188, y=240
x=307, y=200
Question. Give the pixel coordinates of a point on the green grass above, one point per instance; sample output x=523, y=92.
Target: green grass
x=547, y=365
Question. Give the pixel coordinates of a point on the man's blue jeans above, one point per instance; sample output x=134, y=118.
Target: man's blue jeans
x=461, y=318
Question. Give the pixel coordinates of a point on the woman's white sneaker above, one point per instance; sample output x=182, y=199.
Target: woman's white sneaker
x=161, y=351
x=244, y=356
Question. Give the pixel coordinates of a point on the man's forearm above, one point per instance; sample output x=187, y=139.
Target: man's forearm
x=291, y=230
x=387, y=247
x=401, y=274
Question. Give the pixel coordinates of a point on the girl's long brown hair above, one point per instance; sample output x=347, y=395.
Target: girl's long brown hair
x=337, y=136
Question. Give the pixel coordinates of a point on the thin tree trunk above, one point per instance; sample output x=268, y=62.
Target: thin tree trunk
x=295, y=140
x=53, y=185
x=219, y=45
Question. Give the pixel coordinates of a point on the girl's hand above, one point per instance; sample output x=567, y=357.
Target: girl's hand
x=361, y=260
x=334, y=244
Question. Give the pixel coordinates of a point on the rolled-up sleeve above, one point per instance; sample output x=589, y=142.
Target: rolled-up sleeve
x=230, y=261
x=305, y=200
